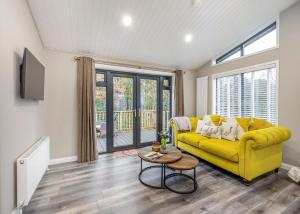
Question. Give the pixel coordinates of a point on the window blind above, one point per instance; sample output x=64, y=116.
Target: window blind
x=249, y=94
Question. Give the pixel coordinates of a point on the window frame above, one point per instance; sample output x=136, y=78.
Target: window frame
x=253, y=68
x=255, y=37
x=101, y=83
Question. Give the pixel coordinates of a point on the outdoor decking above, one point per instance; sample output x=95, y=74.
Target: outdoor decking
x=126, y=138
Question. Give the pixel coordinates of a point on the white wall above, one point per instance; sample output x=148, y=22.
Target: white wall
x=189, y=91
x=21, y=122
x=61, y=96
x=288, y=55
x=289, y=76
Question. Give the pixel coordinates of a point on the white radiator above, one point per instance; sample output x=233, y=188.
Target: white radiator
x=31, y=167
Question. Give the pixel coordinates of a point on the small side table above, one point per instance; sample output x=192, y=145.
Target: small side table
x=173, y=155
x=187, y=162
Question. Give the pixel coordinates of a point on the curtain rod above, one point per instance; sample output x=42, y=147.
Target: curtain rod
x=121, y=64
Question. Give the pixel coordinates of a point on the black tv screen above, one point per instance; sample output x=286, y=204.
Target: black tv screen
x=32, y=77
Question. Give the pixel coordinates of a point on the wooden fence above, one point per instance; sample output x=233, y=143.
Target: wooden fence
x=123, y=120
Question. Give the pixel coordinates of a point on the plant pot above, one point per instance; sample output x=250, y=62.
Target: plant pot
x=163, y=146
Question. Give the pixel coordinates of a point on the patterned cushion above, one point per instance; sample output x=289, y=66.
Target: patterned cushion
x=243, y=125
x=211, y=131
x=229, y=131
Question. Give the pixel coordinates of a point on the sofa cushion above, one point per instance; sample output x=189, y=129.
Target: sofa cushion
x=194, y=121
x=259, y=124
x=200, y=125
x=229, y=131
x=191, y=138
x=243, y=125
x=213, y=119
x=223, y=148
x=211, y=131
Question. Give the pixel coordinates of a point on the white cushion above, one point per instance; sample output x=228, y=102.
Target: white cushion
x=229, y=130
x=240, y=130
x=207, y=120
x=183, y=123
x=211, y=131
x=200, y=125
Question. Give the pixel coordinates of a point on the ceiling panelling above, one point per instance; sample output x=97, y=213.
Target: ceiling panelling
x=157, y=32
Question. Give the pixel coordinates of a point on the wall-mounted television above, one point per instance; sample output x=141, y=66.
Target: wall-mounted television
x=32, y=77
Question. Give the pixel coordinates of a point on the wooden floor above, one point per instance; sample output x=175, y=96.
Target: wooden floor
x=110, y=185
x=126, y=138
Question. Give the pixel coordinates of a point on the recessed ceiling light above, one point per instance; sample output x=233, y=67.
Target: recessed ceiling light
x=127, y=20
x=196, y=2
x=188, y=38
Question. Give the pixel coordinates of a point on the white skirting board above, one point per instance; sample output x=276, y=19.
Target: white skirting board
x=287, y=166
x=62, y=160
x=74, y=158
x=17, y=211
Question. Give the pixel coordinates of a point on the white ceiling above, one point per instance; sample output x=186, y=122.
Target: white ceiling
x=157, y=32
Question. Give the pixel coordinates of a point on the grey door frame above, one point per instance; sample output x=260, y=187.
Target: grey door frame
x=108, y=83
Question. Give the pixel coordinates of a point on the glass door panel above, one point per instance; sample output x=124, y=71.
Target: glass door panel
x=101, y=119
x=123, y=111
x=148, y=102
x=166, y=114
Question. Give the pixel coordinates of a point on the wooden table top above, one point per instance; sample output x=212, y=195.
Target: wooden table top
x=173, y=155
x=185, y=163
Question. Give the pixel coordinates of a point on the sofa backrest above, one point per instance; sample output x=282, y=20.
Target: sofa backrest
x=256, y=123
x=259, y=124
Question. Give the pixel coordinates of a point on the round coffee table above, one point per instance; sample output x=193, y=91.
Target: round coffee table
x=187, y=162
x=172, y=156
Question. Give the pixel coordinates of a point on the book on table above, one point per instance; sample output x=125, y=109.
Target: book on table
x=152, y=155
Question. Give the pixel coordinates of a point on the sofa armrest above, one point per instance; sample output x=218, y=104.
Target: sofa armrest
x=175, y=131
x=266, y=137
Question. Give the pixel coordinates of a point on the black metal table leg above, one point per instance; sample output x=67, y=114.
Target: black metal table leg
x=195, y=181
x=162, y=176
x=162, y=166
x=195, y=184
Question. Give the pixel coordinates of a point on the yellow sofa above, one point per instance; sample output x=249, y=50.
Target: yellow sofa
x=257, y=152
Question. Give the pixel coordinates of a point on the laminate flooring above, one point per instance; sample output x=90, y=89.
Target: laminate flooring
x=111, y=185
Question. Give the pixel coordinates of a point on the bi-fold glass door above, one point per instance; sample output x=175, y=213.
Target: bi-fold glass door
x=147, y=108
x=124, y=111
x=130, y=109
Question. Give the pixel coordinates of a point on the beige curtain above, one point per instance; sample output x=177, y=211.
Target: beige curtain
x=87, y=149
x=179, y=103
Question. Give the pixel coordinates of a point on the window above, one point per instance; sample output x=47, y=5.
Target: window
x=251, y=93
x=259, y=44
x=263, y=40
x=101, y=110
x=233, y=56
x=100, y=77
x=166, y=102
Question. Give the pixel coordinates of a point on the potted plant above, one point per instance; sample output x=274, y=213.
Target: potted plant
x=164, y=136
